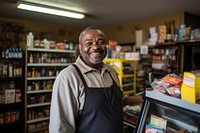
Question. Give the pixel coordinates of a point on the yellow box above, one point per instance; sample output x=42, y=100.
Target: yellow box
x=190, y=89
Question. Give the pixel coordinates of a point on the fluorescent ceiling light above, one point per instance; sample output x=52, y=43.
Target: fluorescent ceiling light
x=48, y=10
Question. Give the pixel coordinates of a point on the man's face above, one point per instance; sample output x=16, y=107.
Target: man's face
x=92, y=47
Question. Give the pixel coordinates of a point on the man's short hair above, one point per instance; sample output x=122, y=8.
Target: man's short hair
x=89, y=28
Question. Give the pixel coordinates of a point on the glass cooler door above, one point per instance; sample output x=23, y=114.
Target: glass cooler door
x=165, y=114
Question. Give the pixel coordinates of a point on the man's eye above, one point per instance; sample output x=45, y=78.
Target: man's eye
x=101, y=42
x=89, y=43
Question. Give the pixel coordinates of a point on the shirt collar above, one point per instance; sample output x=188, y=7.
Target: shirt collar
x=85, y=68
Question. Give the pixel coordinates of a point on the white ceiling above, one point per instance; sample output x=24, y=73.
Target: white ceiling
x=103, y=13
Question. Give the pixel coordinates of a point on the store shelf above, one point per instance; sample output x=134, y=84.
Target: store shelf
x=38, y=91
x=118, y=60
x=37, y=120
x=128, y=75
x=129, y=92
x=48, y=64
x=130, y=116
x=126, y=70
x=39, y=129
x=43, y=65
x=128, y=124
x=159, y=61
x=38, y=105
x=41, y=78
x=144, y=67
x=12, y=95
x=50, y=50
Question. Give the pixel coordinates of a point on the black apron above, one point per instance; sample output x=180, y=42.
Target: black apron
x=102, y=111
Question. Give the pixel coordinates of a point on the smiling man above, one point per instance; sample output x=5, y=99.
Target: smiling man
x=86, y=96
x=92, y=45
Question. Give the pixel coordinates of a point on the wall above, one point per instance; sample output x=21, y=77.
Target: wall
x=192, y=20
x=125, y=33
x=50, y=31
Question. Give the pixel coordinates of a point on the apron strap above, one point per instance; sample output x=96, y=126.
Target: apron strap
x=80, y=74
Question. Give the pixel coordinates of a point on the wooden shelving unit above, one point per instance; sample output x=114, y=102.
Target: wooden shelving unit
x=41, y=72
x=11, y=90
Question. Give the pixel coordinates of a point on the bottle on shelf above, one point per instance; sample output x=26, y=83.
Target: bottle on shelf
x=31, y=58
x=10, y=69
x=34, y=72
x=30, y=40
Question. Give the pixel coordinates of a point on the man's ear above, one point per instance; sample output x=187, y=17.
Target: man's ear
x=79, y=46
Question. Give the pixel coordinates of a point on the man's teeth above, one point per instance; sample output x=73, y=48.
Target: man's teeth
x=95, y=53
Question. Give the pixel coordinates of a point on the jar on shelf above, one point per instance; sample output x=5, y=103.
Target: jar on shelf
x=36, y=86
x=12, y=85
x=33, y=72
x=29, y=87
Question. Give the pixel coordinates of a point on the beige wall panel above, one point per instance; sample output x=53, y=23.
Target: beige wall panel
x=125, y=33
x=56, y=32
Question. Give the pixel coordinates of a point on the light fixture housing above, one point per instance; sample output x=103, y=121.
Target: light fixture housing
x=49, y=10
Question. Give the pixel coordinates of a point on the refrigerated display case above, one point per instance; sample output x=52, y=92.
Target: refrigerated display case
x=172, y=114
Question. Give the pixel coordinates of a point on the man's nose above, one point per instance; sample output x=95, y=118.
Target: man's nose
x=95, y=44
